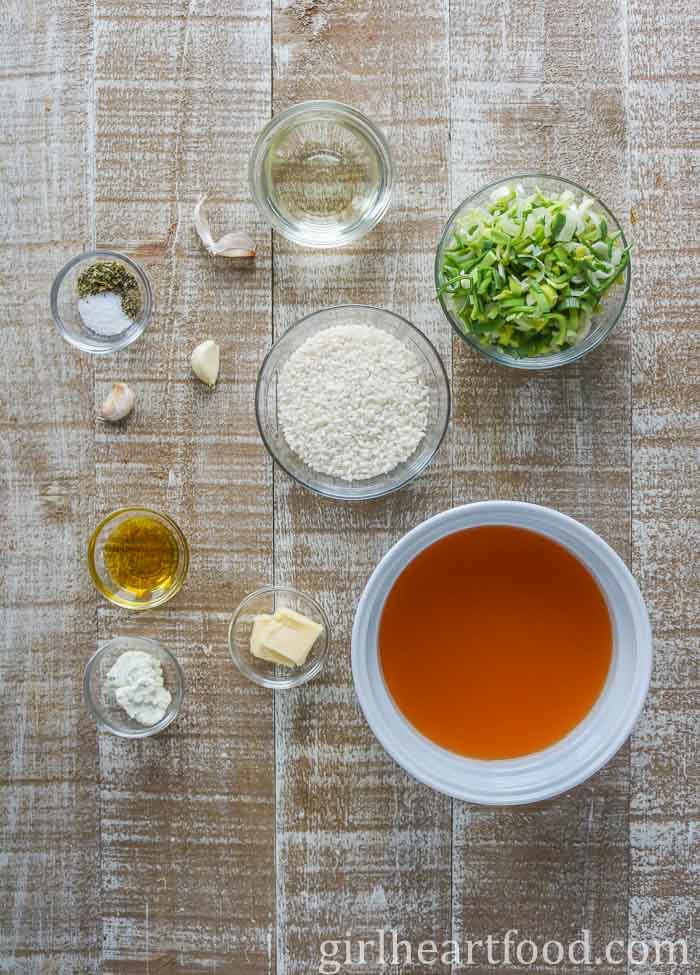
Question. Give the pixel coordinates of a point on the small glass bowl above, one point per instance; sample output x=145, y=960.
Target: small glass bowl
x=433, y=373
x=267, y=600
x=603, y=322
x=64, y=305
x=103, y=580
x=100, y=698
x=321, y=174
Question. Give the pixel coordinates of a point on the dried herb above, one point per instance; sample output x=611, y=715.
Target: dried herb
x=111, y=276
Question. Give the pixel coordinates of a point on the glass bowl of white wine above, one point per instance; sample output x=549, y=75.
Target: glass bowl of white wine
x=321, y=174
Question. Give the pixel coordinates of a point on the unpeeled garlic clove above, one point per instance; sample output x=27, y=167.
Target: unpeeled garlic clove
x=118, y=404
x=234, y=244
x=205, y=362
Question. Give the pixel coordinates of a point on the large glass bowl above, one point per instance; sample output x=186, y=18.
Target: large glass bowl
x=613, y=304
x=434, y=376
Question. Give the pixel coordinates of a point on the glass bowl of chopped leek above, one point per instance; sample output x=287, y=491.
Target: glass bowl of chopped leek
x=101, y=301
x=533, y=271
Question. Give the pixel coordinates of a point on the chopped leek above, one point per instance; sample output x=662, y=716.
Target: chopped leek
x=527, y=271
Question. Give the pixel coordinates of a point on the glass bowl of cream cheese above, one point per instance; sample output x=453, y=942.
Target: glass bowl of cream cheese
x=133, y=687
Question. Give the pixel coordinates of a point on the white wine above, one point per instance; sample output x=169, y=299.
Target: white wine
x=325, y=176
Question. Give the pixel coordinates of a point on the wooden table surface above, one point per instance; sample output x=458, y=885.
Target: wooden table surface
x=258, y=826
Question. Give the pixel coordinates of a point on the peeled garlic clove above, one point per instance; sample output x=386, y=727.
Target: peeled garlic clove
x=205, y=362
x=118, y=404
x=234, y=244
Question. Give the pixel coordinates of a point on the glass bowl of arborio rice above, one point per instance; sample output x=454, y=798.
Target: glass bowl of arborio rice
x=353, y=402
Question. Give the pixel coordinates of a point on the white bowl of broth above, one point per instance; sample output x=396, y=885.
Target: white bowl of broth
x=501, y=652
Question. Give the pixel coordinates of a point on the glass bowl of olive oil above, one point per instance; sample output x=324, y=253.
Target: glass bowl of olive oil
x=138, y=558
x=321, y=174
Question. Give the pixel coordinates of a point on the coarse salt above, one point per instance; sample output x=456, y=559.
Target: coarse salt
x=353, y=402
x=103, y=313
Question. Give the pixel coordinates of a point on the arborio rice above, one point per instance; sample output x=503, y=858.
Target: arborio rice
x=353, y=402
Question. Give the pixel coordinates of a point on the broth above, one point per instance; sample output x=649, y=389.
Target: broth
x=495, y=642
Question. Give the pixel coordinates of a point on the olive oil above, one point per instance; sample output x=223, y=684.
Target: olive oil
x=141, y=555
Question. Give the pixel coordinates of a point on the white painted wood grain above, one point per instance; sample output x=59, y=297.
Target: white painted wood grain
x=538, y=87
x=188, y=818
x=205, y=849
x=360, y=845
x=49, y=823
x=662, y=66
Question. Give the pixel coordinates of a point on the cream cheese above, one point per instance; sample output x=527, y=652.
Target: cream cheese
x=136, y=680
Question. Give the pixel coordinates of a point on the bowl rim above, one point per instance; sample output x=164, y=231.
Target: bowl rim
x=147, y=731
x=126, y=339
x=257, y=156
x=466, y=778
x=330, y=494
x=553, y=360
x=179, y=535
x=282, y=683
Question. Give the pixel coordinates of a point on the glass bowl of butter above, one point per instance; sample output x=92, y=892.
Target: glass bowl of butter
x=279, y=637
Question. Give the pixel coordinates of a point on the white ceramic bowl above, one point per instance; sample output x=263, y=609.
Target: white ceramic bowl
x=541, y=775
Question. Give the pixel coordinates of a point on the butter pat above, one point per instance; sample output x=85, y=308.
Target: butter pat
x=291, y=635
x=261, y=627
x=284, y=638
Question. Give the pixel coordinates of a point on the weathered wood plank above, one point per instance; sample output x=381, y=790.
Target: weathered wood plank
x=49, y=859
x=538, y=87
x=108, y=132
x=665, y=166
x=360, y=846
x=188, y=818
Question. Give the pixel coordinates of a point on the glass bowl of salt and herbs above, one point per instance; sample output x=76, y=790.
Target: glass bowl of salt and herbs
x=101, y=301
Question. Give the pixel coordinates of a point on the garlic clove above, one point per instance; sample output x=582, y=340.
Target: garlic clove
x=201, y=224
x=234, y=244
x=118, y=404
x=205, y=362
